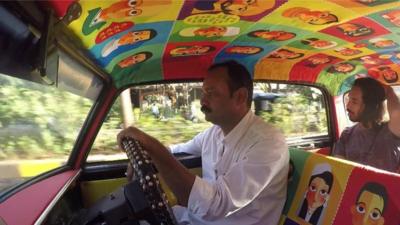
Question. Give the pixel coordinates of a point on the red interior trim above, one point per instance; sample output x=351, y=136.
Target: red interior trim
x=26, y=206
x=97, y=121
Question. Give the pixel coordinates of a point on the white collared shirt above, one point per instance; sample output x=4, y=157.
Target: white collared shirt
x=244, y=175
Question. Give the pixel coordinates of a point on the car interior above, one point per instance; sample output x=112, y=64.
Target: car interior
x=73, y=75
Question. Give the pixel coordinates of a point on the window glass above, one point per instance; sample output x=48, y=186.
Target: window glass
x=38, y=127
x=298, y=110
x=171, y=113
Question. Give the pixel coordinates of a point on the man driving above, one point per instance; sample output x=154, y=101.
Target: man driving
x=245, y=161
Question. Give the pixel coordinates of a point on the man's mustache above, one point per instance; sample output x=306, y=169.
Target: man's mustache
x=205, y=109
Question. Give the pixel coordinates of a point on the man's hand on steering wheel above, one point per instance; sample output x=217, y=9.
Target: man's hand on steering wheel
x=144, y=139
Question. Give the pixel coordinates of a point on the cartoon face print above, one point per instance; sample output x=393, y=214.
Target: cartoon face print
x=233, y=7
x=316, y=60
x=318, y=43
x=129, y=38
x=236, y=7
x=134, y=59
x=370, y=205
x=134, y=36
x=245, y=50
x=272, y=35
x=383, y=43
x=385, y=72
x=347, y=51
x=393, y=17
x=121, y=9
x=370, y=60
x=317, y=193
x=214, y=31
x=342, y=67
x=368, y=210
x=354, y=30
x=310, y=17
x=388, y=74
x=285, y=54
x=210, y=32
x=191, y=50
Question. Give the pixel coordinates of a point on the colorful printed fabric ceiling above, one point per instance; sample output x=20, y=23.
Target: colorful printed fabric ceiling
x=329, y=42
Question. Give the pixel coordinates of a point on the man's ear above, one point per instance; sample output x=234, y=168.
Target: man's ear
x=241, y=95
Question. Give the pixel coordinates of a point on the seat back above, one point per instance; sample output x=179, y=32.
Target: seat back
x=324, y=190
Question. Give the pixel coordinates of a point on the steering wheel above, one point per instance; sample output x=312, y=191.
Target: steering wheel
x=145, y=171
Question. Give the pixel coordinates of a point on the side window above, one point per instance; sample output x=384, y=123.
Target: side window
x=171, y=113
x=38, y=128
x=299, y=110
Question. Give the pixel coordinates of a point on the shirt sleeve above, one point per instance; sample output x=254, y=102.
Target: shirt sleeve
x=243, y=182
x=339, y=147
x=192, y=147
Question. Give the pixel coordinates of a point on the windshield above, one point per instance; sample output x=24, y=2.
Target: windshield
x=171, y=113
x=39, y=125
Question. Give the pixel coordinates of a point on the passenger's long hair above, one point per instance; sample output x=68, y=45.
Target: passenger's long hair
x=373, y=96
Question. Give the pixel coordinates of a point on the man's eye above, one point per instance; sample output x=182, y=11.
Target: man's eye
x=323, y=192
x=375, y=215
x=313, y=188
x=360, y=209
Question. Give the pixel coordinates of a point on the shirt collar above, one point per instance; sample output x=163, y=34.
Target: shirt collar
x=238, y=131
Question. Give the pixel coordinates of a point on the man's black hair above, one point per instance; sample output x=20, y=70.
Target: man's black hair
x=373, y=95
x=238, y=77
x=377, y=189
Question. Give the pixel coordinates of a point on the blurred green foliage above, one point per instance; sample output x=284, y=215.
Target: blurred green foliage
x=175, y=129
x=298, y=115
x=38, y=121
x=44, y=122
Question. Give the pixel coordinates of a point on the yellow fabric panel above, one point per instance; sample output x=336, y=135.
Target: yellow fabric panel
x=92, y=191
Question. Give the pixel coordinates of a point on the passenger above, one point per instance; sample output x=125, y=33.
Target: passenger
x=371, y=141
x=245, y=160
